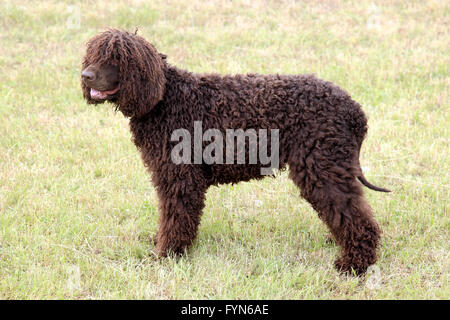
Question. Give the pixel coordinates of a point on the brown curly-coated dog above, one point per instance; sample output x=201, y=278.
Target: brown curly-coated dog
x=321, y=130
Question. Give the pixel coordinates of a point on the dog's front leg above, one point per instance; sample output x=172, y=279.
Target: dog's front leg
x=180, y=204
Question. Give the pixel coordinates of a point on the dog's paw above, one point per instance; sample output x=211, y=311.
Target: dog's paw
x=329, y=239
x=344, y=266
x=160, y=252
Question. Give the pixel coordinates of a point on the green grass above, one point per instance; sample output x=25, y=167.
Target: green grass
x=77, y=208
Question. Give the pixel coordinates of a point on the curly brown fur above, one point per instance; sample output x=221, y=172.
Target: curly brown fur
x=321, y=131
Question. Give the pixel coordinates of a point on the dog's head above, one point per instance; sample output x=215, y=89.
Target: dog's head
x=125, y=69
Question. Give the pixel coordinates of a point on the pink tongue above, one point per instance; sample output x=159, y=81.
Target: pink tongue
x=95, y=94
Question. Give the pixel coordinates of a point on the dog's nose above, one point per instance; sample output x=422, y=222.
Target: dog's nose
x=88, y=75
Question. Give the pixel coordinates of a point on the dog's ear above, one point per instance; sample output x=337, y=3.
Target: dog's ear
x=142, y=77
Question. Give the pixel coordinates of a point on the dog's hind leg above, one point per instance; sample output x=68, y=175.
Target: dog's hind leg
x=333, y=191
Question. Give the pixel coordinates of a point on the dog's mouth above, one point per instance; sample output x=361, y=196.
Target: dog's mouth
x=103, y=95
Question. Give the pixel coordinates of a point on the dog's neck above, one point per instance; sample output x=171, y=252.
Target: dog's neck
x=179, y=83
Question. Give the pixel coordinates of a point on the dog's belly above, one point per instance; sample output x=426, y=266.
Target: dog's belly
x=232, y=173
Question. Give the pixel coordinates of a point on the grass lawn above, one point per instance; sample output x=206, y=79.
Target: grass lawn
x=77, y=208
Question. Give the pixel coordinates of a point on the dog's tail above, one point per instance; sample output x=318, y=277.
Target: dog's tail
x=358, y=125
x=364, y=180
x=371, y=186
